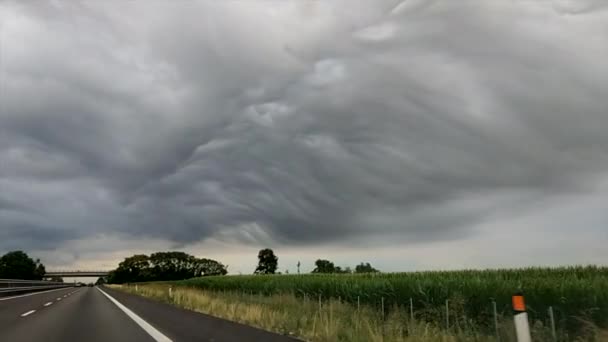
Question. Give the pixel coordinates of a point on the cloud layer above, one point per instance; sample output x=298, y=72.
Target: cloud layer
x=295, y=123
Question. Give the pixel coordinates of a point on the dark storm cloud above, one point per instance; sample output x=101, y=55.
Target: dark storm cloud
x=294, y=122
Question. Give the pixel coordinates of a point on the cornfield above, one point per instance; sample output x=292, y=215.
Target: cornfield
x=578, y=295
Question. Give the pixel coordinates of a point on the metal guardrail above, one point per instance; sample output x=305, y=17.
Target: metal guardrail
x=16, y=286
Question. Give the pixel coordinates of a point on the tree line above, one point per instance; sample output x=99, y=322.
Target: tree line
x=18, y=265
x=164, y=266
x=268, y=264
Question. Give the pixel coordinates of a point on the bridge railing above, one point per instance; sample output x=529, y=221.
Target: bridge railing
x=76, y=274
x=11, y=286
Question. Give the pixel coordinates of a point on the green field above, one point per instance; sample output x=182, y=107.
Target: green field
x=578, y=295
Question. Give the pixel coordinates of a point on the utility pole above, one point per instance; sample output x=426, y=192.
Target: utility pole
x=298, y=267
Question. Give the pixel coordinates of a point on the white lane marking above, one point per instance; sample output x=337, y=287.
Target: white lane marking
x=30, y=294
x=58, y=299
x=66, y=296
x=155, y=334
x=48, y=304
x=28, y=313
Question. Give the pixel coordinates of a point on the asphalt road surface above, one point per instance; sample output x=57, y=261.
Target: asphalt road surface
x=102, y=314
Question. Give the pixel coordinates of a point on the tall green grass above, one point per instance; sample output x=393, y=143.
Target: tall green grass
x=330, y=321
x=578, y=295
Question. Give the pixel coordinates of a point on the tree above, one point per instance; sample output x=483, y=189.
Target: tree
x=173, y=266
x=132, y=269
x=365, y=268
x=324, y=266
x=208, y=267
x=163, y=266
x=40, y=270
x=18, y=265
x=267, y=262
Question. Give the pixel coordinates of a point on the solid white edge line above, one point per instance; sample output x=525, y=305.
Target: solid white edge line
x=155, y=334
x=48, y=304
x=28, y=313
x=30, y=294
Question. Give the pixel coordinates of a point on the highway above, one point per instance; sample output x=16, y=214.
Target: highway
x=102, y=314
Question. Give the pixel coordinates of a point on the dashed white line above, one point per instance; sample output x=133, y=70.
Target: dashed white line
x=48, y=304
x=66, y=296
x=58, y=299
x=28, y=313
x=155, y=334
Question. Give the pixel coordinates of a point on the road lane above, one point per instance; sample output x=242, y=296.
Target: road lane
x=88, y=314
x=12, y=308
x=85, y=315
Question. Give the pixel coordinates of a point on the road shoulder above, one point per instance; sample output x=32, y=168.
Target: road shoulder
x=184, y=325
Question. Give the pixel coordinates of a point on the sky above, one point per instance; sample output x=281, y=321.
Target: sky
x=415, y=135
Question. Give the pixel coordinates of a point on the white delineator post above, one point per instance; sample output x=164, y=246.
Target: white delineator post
x=522, y=327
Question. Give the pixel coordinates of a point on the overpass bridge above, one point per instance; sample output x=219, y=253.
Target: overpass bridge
x=76, y=274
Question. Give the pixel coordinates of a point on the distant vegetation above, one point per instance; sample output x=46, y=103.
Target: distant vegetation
x=164, y=266
x=18, y=265
x=577, y=294
x=326, y=266
x=267, y=262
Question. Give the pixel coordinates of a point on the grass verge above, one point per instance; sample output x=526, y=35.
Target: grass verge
x=332, y=320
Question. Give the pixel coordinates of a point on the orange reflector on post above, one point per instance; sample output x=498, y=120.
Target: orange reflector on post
x=518, y=303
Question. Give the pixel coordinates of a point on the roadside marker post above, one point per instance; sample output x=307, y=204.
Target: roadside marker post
x=552, y=319
x=412, y=309
x=495, y=319
x=320, y=305
x=447, y=314
x=522, y=327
